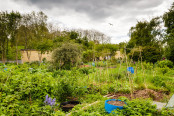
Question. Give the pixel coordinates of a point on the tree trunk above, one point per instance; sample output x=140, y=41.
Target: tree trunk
x=7, y=48
x=3, y=52
x=40, y=56
x=16, y=54
x=26, y=43
x=28, y=55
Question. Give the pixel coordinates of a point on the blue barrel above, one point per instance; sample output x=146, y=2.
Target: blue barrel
x=109, y=107
x=5, y=69
x=130, y=69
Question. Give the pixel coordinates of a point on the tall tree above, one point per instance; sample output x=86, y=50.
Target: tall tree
x=40, y=33
x=13, y=25
x=3, y=33
x=168, y=18
x=25, y=31
x=145, y=33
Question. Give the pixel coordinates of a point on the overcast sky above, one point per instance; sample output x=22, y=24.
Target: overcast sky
x=93, y=14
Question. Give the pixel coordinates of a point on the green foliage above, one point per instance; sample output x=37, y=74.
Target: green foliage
x=86, y=70
x=158, y=81
x=101, y=64
x=151, y=54
x=66, y=56
x=106, y=49
x=9, y=23
x=168, y=19
x=88, y=56
x=164, y=70
x=64, y=90
x=165, y=63
x=137, y=107
x=24, y=87
x=44, y=46
x=169, y=50
x=144, y=33
x=133, y=108
x=148, y=53
x=74, y=35
x=167, y=112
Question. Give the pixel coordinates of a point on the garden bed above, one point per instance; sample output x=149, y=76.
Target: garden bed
x=66, y=106
x=116, y=103
x=146, y=93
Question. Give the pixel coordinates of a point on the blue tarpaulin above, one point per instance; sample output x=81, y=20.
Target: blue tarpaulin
x=5, y=69
x=93, y=64
x=130, y=69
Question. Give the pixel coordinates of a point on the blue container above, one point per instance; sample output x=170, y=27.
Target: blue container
x=130, y=69
x=93, y=64
x=109, y=107
x=5, y=69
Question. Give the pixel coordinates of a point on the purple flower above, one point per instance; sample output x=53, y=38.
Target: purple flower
x=49, y=101
x=46, y=97
x=53, y=102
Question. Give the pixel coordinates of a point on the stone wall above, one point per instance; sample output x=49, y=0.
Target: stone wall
x=34, y=55
x=118, y=55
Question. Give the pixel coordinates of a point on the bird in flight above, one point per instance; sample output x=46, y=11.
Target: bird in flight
x=110, y=24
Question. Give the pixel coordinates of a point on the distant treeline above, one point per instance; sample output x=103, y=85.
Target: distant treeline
x=149, y=40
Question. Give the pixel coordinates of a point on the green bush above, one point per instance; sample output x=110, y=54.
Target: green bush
x=64, y=90
x=164, y=70
x=165, y=63
x=66, y=56
x=85, y=70
x=158, y=81
x=167, y=112
x=137, y=107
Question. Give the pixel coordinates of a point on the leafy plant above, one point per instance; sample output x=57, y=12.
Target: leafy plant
x=66, y=56
x=165, y=63
x=137, y=107
x=158, y=81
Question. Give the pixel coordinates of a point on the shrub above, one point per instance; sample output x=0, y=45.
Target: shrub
x=64, y=90
x=149, y=54
x=137, y=107
x=85, y=70
x=164, y=70
x=88, y=56
x=167, y=112
x=66, y=56
x=158, y=81
x=165, y=63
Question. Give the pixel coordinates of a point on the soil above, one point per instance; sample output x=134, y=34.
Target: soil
x=116, y=103
x=72, y=98
x=146, y=93
x=82, y=66
x=68, y=105
x=106, y=67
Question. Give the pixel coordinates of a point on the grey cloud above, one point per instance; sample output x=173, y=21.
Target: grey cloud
x=98, y=9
